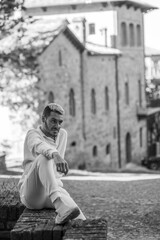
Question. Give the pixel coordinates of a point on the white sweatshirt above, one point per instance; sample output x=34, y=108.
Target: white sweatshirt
x=36, y=142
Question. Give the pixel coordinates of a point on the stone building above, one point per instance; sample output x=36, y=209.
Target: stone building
x=101, y=88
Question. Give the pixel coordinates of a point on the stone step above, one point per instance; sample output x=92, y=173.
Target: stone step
x=10, y=211
x=40, y=225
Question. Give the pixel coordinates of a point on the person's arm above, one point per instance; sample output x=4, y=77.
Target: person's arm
x=62, y=165
x=37, y=145
x=62, y=142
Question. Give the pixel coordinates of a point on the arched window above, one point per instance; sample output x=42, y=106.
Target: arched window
x=128, y=148
x=73, y=144
x=50, y=97
x=108, y=149
x=131, y=35
x=139, y=43
x=72, y=107
x=95, y=151
x=106, y=99
x=127, y=93
x=93, y=101
x=141, y=137
x=60, y=57
x=140, y=92
x=123, y=34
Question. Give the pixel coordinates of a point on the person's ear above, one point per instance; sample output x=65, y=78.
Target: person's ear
x=43, y=118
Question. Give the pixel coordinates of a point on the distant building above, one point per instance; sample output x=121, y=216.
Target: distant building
x=152, y=63
x=102, y=88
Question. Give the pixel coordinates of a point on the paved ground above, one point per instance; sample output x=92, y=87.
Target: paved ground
x=130, y=202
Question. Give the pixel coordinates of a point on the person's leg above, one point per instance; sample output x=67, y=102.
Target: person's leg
x=41, y=183
x=64, y=202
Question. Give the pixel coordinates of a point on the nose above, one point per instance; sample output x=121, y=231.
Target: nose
x=57, y=125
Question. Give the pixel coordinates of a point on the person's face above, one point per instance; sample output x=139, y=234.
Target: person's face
x=52, y=123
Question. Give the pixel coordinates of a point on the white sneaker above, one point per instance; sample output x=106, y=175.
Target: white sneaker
x=67, y=216
x=66, y=209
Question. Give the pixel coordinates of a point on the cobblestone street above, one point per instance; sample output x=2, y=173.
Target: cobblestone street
x=132, y=208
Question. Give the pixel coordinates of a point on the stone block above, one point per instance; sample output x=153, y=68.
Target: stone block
x=2, y=226
x=40, y=225
x=91, y=229
x=3, y=212
x=10, y=225
x=12, y=213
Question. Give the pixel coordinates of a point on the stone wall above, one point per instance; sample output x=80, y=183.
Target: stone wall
x=131, y=70
x=101, y=128
x=60, y=79
x=98, y=72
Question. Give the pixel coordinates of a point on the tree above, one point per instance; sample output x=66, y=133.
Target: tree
x=19, y=72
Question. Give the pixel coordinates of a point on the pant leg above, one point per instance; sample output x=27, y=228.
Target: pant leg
x=68, y=202
x=39, y=183
x=41, y=187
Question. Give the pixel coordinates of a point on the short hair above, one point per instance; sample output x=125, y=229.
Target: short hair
x=52, y=107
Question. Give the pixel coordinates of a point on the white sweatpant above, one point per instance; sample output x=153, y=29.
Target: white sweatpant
x=39, y=187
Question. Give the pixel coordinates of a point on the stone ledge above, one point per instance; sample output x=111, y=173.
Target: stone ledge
x=40, y=225
x=10, y=211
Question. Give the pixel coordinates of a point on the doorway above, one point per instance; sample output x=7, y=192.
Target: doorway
x=128, y=148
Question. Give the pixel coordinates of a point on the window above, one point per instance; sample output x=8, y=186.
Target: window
x=139, y=35
x=127, y=93
x=108, y=149
x=140, y=92
x=73, y=144
x=50, y=97
x=95, y=151
x=123, y=34
x=72, y=108
x=141, y=137
x=93, y=101
x=131, y=34
x=60, y=57
x=106, y=99
x=92, y=29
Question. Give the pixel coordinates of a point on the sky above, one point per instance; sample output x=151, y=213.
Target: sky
x=152, y=26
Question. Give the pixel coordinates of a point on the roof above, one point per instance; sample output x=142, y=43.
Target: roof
x=149, y=52
x=48, y=3
x=95, y=49
x=39, y=35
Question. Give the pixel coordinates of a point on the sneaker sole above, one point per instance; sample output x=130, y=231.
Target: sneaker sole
x=71, y=216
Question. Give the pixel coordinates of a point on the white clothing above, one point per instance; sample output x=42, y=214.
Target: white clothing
x=40, y=184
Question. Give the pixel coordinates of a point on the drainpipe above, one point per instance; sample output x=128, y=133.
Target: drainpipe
x=118, y=111
x=82, y=78
x=147, y=119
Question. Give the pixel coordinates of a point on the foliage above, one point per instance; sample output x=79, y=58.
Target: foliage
x=19, y=71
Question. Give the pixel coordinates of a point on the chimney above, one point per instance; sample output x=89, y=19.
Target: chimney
x=113, y=41
x=79, y=24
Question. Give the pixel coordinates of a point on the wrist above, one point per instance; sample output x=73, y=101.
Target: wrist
x=54, y=154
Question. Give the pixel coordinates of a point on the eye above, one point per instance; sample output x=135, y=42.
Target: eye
x=53, y=121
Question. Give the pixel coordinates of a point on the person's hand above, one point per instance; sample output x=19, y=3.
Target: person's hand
x=61, y=164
